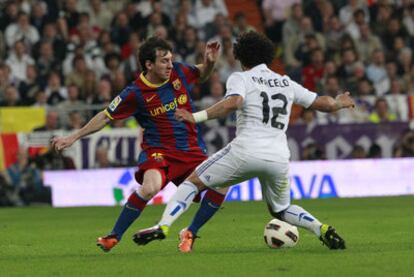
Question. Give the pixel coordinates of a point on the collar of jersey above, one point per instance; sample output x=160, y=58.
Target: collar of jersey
x=262, y=65
x=148, y=83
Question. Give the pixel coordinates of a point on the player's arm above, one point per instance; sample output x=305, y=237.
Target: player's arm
x=220, y=109
x=95, y=124
x=210, y=57
x=329, y=104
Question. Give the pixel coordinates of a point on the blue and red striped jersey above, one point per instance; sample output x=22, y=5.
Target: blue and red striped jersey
x=153, y=106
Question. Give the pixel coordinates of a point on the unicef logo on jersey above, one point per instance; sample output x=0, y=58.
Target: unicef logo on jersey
x=124, y=187
x=171, y=106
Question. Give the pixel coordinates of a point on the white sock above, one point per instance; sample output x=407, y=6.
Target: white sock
x=297, y=216
x=179, y=203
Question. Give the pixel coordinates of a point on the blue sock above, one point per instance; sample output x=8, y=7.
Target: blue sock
x=129, y=214
x=209, y=206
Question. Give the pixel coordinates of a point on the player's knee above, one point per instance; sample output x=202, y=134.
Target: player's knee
x=194, y=179
x=151, y=184
x=148, y=191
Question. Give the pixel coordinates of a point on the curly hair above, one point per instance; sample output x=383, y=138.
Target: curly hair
x=253, y=48
x=148, y=50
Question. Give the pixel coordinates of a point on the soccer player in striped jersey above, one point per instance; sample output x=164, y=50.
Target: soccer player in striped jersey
x=171, y=149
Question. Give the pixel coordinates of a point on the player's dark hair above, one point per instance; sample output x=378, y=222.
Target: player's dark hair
x=253, y=48
x=148, y=50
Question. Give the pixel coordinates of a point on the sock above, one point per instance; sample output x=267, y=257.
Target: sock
x=179, y=203
x=208, y=207
x=131, y=211
x=297, y=216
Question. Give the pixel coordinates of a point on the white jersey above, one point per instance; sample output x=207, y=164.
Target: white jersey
x=263, y=120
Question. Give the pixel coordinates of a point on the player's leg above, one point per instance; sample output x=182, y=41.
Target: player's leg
x=207, y=172
x=178, y=204
x=298, y=216
x=209, y=205
x=276, y=192
x=153, y=180
x=137, y=201
x=211, y=201
x=217, y=176
x=182, y=199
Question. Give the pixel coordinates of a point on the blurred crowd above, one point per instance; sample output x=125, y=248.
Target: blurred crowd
x=73, y=56
x=364, y=47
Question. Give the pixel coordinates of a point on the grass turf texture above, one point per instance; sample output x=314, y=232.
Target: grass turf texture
x=42, y=241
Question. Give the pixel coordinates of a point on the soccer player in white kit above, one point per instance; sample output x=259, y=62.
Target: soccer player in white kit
x=263, y=100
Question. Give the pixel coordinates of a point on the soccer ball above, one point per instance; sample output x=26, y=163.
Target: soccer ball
x=278, y=234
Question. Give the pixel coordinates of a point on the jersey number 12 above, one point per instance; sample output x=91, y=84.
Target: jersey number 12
x=275, y=110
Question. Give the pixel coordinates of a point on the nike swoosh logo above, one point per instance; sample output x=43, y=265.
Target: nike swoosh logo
x=150, y=99
x=130, y=207
x=212, y=205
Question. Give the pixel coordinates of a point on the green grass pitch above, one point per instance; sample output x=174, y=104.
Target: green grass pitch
x=42, y=241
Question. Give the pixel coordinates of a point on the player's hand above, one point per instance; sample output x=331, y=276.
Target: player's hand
x=61, y=143
x=212, y=52
x=184, y=115
x=344, y=100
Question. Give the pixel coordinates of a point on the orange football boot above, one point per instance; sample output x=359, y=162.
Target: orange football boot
x=107, y=243
x=186, y=238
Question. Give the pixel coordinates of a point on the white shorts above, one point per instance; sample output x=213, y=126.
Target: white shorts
x=231, y=166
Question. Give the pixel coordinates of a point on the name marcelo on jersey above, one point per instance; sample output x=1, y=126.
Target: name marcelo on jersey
x=273, y=83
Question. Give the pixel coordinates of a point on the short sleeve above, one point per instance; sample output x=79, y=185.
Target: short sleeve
x=236, y=85
x=191, y=72
x=124, y=105
x=302, y=96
